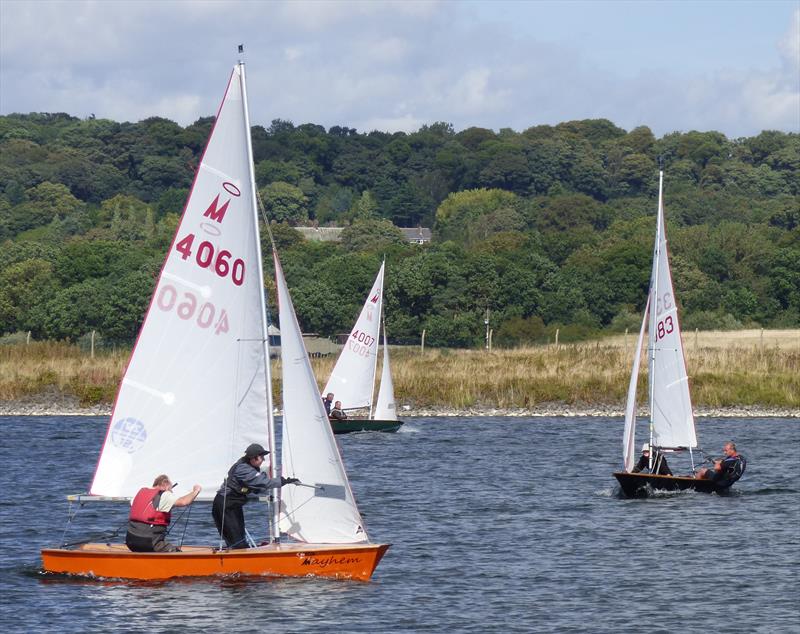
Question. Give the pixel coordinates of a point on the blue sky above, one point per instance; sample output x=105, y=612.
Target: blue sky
x=732, y=66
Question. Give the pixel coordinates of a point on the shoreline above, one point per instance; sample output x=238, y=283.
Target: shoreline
x=69, y=407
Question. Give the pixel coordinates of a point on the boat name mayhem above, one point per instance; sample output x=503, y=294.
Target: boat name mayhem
x=324, y=562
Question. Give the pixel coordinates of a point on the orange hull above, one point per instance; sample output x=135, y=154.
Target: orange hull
x=340, y=561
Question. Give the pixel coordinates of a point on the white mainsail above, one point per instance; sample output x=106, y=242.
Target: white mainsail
x=671, y=414
x=385, y=408
x=353, y=378
x=323, y=508
x=629, y=436
x=195, y=392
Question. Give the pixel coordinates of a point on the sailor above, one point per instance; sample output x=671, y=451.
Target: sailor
x=244, y=479
x=727, y=469
x=150, y=514
x=660, y=466
x=337, y=412
x=327, y=401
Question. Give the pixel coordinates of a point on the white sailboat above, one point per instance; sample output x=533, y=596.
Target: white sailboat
x=197, y=391
x=352, y=380
x=672, y=426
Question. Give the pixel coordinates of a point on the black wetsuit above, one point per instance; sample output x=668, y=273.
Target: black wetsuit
x=243, y=480
x=644, y=464
x=731, y=469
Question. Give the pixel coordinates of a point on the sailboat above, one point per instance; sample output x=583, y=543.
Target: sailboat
x=197, y=391
x=353, y=378
x=672, y=426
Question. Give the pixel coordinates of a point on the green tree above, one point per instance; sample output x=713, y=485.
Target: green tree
x=371, y=235
x=285, y=203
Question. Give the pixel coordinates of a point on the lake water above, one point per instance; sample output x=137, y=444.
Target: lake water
x=497, y=525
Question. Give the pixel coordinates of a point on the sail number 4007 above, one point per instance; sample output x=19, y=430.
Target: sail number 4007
x=186, y=309
x=360, y=342
x=205, y=258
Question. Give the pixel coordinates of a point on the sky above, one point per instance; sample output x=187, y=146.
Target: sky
x=725, y=65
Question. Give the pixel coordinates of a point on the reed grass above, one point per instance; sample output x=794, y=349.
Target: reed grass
x=725, y=370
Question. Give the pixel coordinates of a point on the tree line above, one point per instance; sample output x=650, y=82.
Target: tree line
x=549, y=228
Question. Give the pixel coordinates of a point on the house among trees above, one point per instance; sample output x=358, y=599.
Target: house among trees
x=417, y=235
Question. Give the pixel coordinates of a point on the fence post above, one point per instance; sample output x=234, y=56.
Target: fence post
x=422, y=345
x=92, y=346
x=557, y=329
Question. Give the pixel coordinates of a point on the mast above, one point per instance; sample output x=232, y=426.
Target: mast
x=375, y=361
x=273, y=528
x=654, y=307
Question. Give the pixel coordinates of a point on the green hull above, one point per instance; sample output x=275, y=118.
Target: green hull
x=364, y=424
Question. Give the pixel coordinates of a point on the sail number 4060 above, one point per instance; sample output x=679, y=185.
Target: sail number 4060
x=186, y=309
x=205, y=258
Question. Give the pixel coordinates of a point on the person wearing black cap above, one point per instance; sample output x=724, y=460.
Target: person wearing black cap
x=244, y=478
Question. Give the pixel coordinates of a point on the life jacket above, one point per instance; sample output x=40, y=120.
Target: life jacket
x=144, y=508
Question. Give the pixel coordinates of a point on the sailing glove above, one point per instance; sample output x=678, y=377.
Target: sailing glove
x=289, y=481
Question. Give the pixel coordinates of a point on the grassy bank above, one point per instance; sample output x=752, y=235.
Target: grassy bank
x=727, y=369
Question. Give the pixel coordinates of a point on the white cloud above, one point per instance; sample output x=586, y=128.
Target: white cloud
x=370, y=64
x=789, y=44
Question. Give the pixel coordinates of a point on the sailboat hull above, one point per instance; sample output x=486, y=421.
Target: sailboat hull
x=350, y=425
x=639, y=485
x=339, y=561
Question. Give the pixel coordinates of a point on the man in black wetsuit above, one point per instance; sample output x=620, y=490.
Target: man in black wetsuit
x=727, y=470
x=244, y=479
x=660, y=466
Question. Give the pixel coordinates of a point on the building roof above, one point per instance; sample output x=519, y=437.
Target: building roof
x=417, y=234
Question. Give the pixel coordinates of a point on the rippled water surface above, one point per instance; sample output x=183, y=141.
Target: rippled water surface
x=497, y=525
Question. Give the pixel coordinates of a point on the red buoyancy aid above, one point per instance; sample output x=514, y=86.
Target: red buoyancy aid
x=142, y=509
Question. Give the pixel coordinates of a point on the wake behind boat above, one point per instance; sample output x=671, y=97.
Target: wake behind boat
x=352, y=380
x=672, y=427
x=197, y=390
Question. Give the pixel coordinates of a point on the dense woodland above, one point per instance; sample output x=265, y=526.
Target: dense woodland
x=547, y=228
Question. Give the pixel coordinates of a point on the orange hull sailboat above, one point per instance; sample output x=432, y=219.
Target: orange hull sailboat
x=341, y=561
x=197, y=391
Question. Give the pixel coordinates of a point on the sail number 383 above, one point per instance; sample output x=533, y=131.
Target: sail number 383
x=665, y=327
x=205, y=257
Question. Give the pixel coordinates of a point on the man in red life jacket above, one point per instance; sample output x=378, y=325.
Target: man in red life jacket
x=150, y=515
